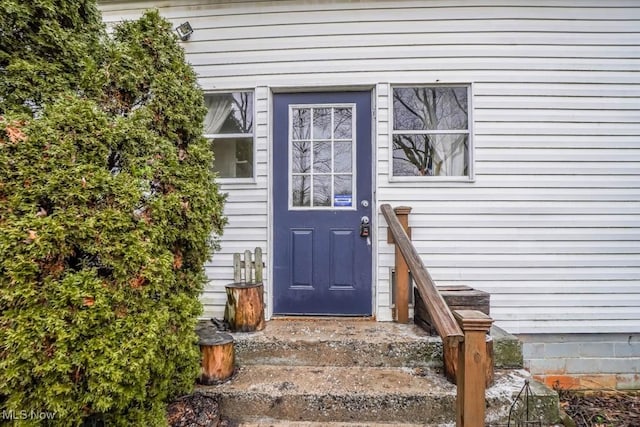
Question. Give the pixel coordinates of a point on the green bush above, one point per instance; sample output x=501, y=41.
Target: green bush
x=107, y=207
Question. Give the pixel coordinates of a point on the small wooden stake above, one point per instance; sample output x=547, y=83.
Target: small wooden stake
x=247, y=267
x=218, y=356
x=257, y=264
x=236, y=268
x=244, y=311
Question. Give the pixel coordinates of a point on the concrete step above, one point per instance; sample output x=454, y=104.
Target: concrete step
x=361, y=394
x=507, y=349
x=338, y=343
x=355, y=343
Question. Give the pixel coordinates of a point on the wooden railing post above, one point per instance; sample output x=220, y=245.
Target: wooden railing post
x=402, y=271
x=472, y=361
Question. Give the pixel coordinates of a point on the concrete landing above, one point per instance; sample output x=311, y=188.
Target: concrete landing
x=341, y=342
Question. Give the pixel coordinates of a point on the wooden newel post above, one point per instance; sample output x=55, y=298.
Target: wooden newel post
x=402, y=270
x=472, y=366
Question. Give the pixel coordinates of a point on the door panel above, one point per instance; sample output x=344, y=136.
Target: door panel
x=322, y=175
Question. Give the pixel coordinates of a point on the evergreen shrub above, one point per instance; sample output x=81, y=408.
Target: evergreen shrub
x=108, y=205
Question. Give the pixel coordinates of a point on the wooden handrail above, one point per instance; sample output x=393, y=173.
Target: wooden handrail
x=463, y=335
x=443, y=320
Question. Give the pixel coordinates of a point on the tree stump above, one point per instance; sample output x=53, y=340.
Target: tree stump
x=218, y=356
x=244, y=311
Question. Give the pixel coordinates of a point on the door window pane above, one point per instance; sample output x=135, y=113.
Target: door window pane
x=343, y=185
x=301, y=189
x=342, y=156
x=342, y=123
x=322, y=157
x=301, y=157
x=321, y=190
x=321, y=123
x=301, y=123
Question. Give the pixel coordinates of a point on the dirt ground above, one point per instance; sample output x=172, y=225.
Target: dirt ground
x=602, y=409
x=195, y=410
x=586, y=409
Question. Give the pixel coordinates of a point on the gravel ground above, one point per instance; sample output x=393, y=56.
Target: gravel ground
x=602, y=409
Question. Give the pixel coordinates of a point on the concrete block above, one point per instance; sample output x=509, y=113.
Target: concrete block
x=547, y=366
x=533, y=350
x=564, y=382
x=627, y=349
x=628, y=382
x=562, y=349
x=593, y=349
x=624, y=365
x=507, y=349
x=596, y=382
x=585, y=365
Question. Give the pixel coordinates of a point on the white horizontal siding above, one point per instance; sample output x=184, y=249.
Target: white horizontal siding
x=551, y=224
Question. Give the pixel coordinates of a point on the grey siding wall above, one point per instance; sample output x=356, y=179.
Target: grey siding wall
x=551, y=225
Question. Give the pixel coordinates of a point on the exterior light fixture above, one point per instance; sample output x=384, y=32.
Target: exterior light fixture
x=184, y=31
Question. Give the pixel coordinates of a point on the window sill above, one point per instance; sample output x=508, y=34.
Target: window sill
x=235, y=181
x=433, y=179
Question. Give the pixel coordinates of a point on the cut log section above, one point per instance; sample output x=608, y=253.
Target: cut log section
x=244, y=311
x=218, y=356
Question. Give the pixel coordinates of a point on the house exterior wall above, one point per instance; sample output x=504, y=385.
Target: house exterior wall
x=550, y=225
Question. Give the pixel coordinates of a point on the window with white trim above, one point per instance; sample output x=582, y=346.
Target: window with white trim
x=229, y=126
x=431, y=131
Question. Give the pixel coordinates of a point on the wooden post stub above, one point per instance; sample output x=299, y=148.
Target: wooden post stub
x=236, y=268
x=402, y=271
x=472, y=365
x=218, y=356
x=244, y=311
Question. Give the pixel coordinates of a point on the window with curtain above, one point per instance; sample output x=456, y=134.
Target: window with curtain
x=229, y=126
x=431, y=135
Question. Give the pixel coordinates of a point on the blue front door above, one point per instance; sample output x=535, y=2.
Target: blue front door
x=321, y=192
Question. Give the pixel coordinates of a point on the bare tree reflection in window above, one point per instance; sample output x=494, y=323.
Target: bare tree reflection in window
x=301, y=190
x=342, y=123
x=430, y=109
x=322, y=190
